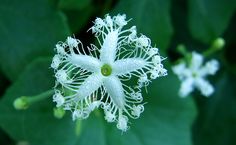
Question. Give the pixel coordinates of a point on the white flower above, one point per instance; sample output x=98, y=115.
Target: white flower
x=100, y=78
x=193, y=75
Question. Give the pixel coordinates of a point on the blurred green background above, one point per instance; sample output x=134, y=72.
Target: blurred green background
x=29, y=30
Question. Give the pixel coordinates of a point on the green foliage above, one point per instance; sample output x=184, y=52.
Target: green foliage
x=165, y=113
x=30, y=29
x=216, y=124
x=74, y=4
x=208, y=19
x=36, y=125
x=152, y=18
x=166, y=119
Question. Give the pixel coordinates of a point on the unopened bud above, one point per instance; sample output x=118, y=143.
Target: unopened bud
x=21, y=103
x=59, y=112
x=219, y=43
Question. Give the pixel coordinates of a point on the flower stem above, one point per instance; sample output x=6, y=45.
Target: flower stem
x=24, y=102
x=41, y=96
x=217, y=45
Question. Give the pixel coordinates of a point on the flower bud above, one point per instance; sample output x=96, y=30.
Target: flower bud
x=21, y=103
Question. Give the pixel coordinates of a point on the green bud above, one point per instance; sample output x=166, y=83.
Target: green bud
x=24, y=102
x=59, y=112
x=219, y=43
x=21, y=103
x=182, y=49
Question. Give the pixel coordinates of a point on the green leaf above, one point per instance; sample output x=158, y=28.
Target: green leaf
x=93, y=130
x=216, y=123
x=36, y=125
x=4, y=83
x=77, y=19
x=167, y=120
x=74, y=4
x=208, y=19
x=152, y=18
x=5, y=140
x=28, y=29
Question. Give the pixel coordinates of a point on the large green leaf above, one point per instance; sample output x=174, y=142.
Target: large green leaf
x=152, y=18
x=36, y=125
x=216, y=123
x=5, y=140
x=78, y=19
x=74, y=4
x=4, y=83
x=167, y=120
x=93, y=131
x=208, y=19
x=28, y=29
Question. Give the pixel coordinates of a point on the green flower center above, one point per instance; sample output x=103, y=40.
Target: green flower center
x=194, y=74
x=106, y=70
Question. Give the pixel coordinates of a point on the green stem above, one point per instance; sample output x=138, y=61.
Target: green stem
x=217, y=45
x=182, y=49
x=24, y=102
x=40, y=97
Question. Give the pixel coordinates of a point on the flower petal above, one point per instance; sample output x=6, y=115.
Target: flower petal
x=91, y=84
x=204, y=86
x=210, y=67
x=124, y=66
x=186, y=87
x=115, y=90
x=197, y=60
x=108, y=50
x=88, y=63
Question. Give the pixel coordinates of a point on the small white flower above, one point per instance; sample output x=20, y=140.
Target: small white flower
x=100, y=79
x=193, y=75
